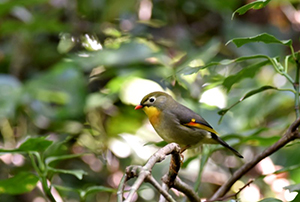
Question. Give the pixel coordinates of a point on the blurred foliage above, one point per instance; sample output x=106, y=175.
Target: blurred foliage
x=71, y=71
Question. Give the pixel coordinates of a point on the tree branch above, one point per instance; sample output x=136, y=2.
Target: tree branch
x=144, y=173
x=187, y=190
x=232, y=195
x=169, y=178
x=290, y=135
x=163, y=192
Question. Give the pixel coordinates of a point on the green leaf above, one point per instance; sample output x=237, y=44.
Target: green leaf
x=50, y=159
x=253, y=92
x=249, y=137
x=10, y=91
x=158, y=144
x=94, y=189
x=31, y=144
x=112, y=32
x=293, y=187
x=287, y=169
x=248, y=72
x=77, y=173
x=228, y=62
x=66, y=43
x=264, y=37
x=194, y=59
x=7, y=6
x=249, y=94
x=261, y=141
x=128, y=53
x=270, y=200
x=22, y=182
x=84, y=192
x=253, y=5
x=155, y=23
x=57, y=94
x=35, y=144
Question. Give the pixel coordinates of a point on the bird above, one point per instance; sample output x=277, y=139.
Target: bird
x=174, y=122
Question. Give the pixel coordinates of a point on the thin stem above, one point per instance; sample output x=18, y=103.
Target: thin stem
x=36, y=168
x=40, y=169
x=287, y=90
x=296, y=87
x=202, y=161
x=47, y=189
x=121, y=188
x=281, y=71
x=293, y=52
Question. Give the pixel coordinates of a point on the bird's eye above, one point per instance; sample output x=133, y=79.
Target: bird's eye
x=152, y=99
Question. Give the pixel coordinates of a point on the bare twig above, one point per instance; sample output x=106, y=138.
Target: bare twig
x=144, y=173
x=121, y=188
x=166, y=188
x=289, y=136
x=163, y=192
x=233, y=195
x=169, y=178
x=173, y=169
x=187, y=190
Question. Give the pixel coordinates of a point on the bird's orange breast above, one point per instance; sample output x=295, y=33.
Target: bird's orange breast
x=153, y=114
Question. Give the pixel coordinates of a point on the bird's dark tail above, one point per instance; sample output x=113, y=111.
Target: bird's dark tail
x=223, y=143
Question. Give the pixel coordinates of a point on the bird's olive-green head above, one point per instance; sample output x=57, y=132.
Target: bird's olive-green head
x=157, y=99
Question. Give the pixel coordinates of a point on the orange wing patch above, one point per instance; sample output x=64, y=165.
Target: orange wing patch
x=195, y=124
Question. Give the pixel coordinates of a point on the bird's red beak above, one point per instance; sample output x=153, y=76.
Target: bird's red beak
x=138, y=107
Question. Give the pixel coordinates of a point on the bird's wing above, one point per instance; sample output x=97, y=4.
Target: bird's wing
x=190, y=119
x=193, y=120
x=194, y=123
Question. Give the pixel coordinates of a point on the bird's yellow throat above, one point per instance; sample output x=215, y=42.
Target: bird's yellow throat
x=153, y=114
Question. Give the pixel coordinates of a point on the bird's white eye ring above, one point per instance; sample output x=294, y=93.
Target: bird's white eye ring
x=152, y=99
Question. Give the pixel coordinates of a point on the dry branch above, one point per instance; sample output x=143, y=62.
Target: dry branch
x=290, y=135
x=144, y=173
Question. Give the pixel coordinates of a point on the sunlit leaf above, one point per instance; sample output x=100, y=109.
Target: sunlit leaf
x=247, y=72
x=51, y=159
x=94, y=189
x=110, y=31
x=77, y=173
x=247, y=95
x=35, y=144
x=158, y=144
x=264, y=37
x=66, y=43
x=200, y=56
x=22, y=182
x=253, y=5
x=228, y=62
x=128, y=53
x=31, y=144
